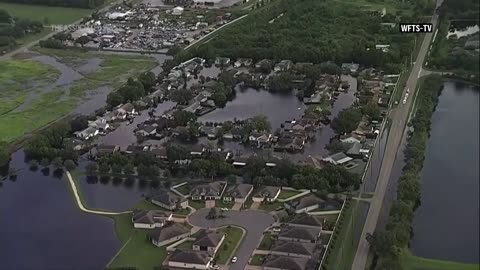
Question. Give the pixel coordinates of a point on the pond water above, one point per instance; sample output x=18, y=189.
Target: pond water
x=42, y=228
x=446, y=224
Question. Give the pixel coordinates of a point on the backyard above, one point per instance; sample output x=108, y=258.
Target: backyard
x=270, y=206
x=285, y=194
x=137, y=251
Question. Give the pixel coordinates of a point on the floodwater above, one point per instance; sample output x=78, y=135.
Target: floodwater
x=42, y=228
x=463, y=28
x=446, y=224
x=90, y=65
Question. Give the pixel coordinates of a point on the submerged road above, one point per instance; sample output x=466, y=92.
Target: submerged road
x=399, y=118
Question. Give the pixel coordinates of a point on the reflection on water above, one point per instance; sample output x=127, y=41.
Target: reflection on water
x=42, y=228
x=446, y=224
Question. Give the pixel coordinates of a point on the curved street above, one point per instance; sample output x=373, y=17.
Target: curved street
x=254, y=222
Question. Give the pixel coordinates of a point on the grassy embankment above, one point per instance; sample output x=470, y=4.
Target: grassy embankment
x=20, y=79
x=411, y=262
x=45, y=14
x=345, y=240
x=232, y=241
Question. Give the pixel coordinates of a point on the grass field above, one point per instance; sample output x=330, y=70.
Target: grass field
x=21, y=79
x=257, y=259
x=138, y=250
x=229, y=245
x=285, y=194
x=411, y=262
x=267, y=241
x=222, y=204
x=345, y=246
x=270, y=206
x=53, y=15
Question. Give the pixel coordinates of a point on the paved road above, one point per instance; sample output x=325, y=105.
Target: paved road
x=254, y=222
x=399, y=117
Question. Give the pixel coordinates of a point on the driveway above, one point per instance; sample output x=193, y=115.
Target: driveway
x=254, y=222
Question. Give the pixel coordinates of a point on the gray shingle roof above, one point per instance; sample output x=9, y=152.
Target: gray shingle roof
x=308, y=234
x=286, y=263
x=166, y=197
x=294, y=247
x=208, y=239
x=208, y=189
x=305, y=201
x=305, y=219
x=190, y=256
x=168, y=232
x=150, y=216
x=239, y=191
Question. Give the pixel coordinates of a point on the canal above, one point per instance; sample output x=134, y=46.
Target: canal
x=446, y=224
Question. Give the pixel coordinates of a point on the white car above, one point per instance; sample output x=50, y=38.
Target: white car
x=224, y=209
x=276, y=229
x=404, y=101
x=234, y=259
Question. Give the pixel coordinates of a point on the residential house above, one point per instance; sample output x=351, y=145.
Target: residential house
x=167, y=199
x=313, y=161
x=210, y=132
x=263, y=62
x=350, y=67
x=354, y=150
x=197, y=150
x=159, y=152
x=150, y=219
x=190, y=259
x=234, y=134
x=147, y=130
x=289, y=143
x=306, y=220
x=169, y=233
x=299, y=234
x=383, y=47
x=266, y=193
x=133, y=149
x=304, y=204
x=105, y=149
x=352, y=138
x=338, y=158
x=100, y=124
x=208, y=191
x=222, y=61
x=87, y=133
x=238, y=193
x=283, y=65
x=243, y=62
x=293, y=249
x=124, y=110
x=208, y=241
x=260, y=138
x=273, y=262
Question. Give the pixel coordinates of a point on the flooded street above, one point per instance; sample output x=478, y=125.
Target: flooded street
x=40, y=221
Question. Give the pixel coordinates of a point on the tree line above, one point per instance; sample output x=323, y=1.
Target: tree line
x=390, y=243
x=62, y=3
x=14, y=28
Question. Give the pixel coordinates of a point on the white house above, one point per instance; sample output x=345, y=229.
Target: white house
x=351, y=139
x=87, y=133
x=177, y=11
x=304, y=204
x=100, y=124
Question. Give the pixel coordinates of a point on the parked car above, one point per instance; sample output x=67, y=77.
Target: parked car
x=276, y=229
x=224, y=209
x=234, y=259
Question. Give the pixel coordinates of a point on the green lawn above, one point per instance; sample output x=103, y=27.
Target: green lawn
x=222, y=204
x=285, y=194
x=270, y=206
x=187, y=245
x=267, y=241
x=139, y=251
x=196, y=204
x=32, y=37
x=183, y=189
x=54, y=15
x=411, y=262
x=20, y=79
x=345, y=246
x=229, y=245
x=391, y=6
x=257, y=259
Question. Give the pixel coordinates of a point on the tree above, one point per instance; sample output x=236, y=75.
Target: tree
x=33, y=164
x=91, y=168
x=83, y=40
x=372, y=111
x=147, y=79
x=114, y=99
x=79, y=123
x=104, y=168
x=181, y=96
x=117, y=168
x=57, y=163
x=346, y=121
x=4, y=155
x=212, y=214
x=69, y=164
x=129, y=168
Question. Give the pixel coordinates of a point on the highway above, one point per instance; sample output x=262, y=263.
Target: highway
x=399, y=117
